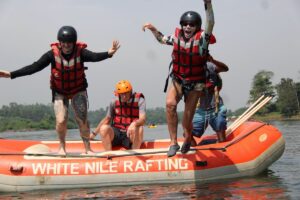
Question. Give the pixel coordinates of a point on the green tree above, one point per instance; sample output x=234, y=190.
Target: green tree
x=38, y=116
x=96, y=116
x=156, y=116
x=287, y=102
x=239, y=111
x=261, y=84
x=298, y=92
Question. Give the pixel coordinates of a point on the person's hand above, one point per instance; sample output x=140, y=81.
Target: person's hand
x=131, y=129
x=210, y=58
x=114, y=48
x=149, y=26
x=4, y=74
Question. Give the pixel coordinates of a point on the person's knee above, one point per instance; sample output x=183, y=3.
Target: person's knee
x=171, y=105
x=61, y=119
x=61, y=125
x=104, y=130
x=197, y=132
x=84, y=131
x=220, y=125
x=83, y=125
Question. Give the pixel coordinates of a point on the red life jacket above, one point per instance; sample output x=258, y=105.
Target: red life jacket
x=188, y=65
x=68, y=77
x=125, y=113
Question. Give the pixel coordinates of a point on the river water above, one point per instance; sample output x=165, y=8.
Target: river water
x=280, y=181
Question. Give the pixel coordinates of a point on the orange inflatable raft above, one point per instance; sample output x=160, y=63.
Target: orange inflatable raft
x=33, y=165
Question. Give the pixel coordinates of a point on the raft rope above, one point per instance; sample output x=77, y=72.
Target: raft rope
x=111, y=156
x=108, y=156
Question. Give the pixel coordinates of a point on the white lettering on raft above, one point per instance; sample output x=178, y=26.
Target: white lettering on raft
x=101, y=167
x=55, y=168
x=162, y=165
x=105, y=167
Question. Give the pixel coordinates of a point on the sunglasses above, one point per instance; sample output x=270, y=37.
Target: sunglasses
x=190, y=24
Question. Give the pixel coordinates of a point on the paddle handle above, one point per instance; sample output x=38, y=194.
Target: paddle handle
x=248, y=114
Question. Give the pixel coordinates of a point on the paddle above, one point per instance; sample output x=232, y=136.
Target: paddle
x=248, y=113
x=242, y=115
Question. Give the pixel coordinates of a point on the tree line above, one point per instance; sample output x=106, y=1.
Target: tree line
x=286, y=94
x=41, y=117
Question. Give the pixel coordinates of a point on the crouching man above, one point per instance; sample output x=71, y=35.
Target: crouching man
x=125, y=118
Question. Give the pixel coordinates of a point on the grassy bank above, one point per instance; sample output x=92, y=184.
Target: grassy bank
x=275, y=116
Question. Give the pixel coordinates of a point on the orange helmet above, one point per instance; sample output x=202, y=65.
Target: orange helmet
x=123, y=86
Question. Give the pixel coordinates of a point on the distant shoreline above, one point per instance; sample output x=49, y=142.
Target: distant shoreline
x=265, y=118
x=276, y=117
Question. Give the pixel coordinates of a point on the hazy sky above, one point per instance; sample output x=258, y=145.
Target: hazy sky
x=252, y=35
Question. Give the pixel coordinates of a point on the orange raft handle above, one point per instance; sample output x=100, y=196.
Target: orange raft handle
x=16, y=169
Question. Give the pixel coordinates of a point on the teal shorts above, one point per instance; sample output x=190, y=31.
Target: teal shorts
x=204, y=117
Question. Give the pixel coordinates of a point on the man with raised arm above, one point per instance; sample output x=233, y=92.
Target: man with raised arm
x=190, y=48
x=67, y=80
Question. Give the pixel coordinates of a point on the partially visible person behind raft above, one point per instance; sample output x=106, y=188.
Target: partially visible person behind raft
x=210, y=108
x=190, y=48
x=68, y=81
x=125, y=118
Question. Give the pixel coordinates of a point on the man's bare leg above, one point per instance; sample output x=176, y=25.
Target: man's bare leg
x=107, y=136
x=173, y=97
x=80, y=107
x=61, y=115
x=137, y=138
x=188, y=114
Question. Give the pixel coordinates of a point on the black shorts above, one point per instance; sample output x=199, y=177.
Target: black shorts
x=188, y=86
x=121, y=139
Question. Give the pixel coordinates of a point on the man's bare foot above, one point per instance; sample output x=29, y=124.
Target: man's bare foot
x=90, y=153
x=62, y=152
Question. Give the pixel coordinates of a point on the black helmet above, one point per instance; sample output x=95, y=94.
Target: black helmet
x=67, y=34
x=191, y=17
